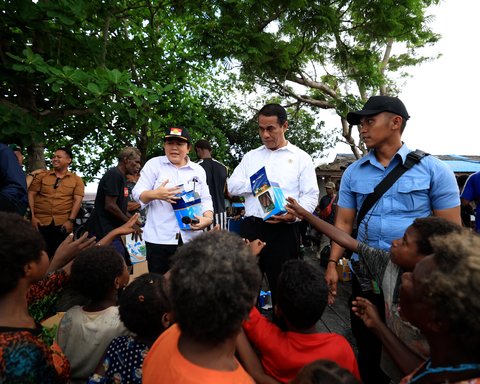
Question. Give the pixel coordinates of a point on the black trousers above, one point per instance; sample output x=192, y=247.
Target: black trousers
x=283, y=243
x=159, y=256
x=53, y=236
x=368, y=345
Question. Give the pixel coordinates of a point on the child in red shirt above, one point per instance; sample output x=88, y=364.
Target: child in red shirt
x=302, y=298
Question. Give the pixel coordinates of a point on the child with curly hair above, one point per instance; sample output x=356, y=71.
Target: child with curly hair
x=145, y=310
x=213, y=282
x=85, y=332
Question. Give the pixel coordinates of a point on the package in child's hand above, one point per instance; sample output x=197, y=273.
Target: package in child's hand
x=268, y=194
x=189, y=205
x=343, y=270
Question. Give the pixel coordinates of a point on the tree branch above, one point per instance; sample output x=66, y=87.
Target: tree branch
x=314, y=84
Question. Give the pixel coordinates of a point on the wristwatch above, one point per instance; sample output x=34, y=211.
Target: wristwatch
x=71, y=221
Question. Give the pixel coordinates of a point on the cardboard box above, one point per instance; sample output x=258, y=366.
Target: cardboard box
x=343, y=270
x=189, y=204
x=268, y=194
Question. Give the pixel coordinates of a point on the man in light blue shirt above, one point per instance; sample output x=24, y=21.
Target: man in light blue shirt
x=429, y=187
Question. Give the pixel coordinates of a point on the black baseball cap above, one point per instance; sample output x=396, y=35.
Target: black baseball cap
x=376, y=105
x=177, y=133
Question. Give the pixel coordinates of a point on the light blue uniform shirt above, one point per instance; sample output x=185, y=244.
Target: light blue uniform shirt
x=428, y=185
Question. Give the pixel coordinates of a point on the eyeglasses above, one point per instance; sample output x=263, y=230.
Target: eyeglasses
x=57, y=182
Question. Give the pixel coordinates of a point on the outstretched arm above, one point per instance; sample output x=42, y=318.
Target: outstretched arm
x=402, y=356
x=340, y=237
x=250, y=361
x=129, y=227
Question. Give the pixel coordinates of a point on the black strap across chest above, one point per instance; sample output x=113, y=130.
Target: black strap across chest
x=413, y=158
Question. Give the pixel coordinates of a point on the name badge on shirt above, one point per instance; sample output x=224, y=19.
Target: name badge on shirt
x=125, y=192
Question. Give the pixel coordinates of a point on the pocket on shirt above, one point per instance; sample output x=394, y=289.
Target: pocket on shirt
x=362, y=187
x=413, y=194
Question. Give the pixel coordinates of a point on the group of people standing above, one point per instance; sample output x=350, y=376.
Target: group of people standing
x=424, y=188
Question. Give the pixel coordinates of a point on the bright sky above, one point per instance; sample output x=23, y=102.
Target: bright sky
x=443, y=96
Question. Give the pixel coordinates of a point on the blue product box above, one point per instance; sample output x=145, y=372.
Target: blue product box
x=189, y=204
x=268, y=193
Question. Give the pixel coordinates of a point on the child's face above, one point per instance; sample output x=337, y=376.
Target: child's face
x=413, y=305
x=404, y=251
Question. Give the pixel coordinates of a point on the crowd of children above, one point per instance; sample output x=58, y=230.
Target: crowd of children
x=199, y=323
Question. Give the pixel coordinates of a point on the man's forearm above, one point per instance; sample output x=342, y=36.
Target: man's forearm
x=77, y=203
x=116, y=212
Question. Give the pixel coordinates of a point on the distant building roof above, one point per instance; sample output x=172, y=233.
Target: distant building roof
x=458, y=164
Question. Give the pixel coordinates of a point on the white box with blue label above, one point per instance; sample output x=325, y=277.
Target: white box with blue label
x=189, y=205
x=268, y=194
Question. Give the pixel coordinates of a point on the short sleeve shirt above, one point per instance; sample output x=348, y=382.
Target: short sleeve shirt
x=471, y=192
x=54, y=199
x=113, y=184
x=427, y=186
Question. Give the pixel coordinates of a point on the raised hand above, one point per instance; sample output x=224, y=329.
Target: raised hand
x=295, y=209
x=366, y=311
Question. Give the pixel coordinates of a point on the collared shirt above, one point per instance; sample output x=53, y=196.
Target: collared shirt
x=55, y=203
x=162, y=226
x=471, y=192
x=427, y=186
x=288, y=166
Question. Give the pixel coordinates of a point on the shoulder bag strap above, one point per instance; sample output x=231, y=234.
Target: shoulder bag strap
x=413, y=158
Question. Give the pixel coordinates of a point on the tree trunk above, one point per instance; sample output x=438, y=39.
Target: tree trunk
x=36, y=157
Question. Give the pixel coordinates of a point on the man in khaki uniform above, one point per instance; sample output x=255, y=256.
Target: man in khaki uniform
x=55, y=197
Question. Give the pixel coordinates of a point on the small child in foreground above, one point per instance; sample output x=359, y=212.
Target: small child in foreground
x=145, y=310
x=213, y=284
x=85, y=332
x=302, y=298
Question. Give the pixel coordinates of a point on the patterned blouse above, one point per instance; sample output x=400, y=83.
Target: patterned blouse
x=26, y=358
x=123, y=362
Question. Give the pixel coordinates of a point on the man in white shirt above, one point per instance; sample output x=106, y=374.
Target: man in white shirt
x=157, y=189
x=294, y=171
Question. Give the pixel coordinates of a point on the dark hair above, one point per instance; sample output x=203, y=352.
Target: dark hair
x=143, y=303
x=68, y=151
x=94, y=271
x=203, y=144
x=453, y=288
x=129, y=153
x=302, y=293
x=214, y=281
x=427, y=227
x=274, y=110
x=20, y=244
x=324, y=371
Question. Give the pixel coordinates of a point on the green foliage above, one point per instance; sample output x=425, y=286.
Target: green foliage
x=341, y=47
x=99, y=75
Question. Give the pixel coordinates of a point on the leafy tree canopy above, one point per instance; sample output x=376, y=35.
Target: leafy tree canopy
x=330, y=54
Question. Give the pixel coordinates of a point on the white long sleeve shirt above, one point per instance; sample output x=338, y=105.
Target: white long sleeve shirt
x=289, y=166
x=162, y=226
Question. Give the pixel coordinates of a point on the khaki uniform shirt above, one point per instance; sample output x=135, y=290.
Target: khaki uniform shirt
x=55, y=203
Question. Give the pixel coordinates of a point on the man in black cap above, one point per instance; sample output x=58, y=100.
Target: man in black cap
x=161, y=179
x=428, y=187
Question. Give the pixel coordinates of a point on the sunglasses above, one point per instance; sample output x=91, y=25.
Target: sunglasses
x=57, y=182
